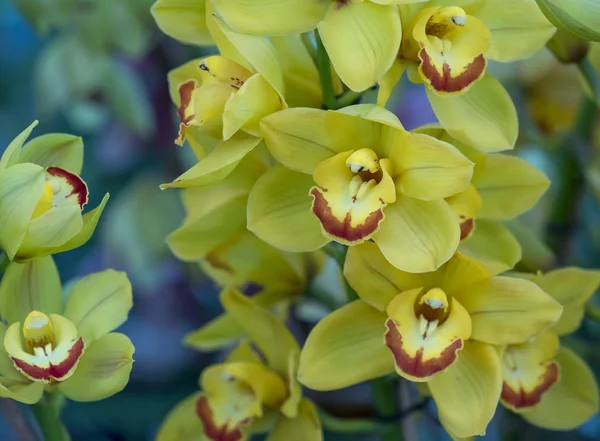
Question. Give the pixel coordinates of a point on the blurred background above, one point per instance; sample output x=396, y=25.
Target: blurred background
x=97, y=68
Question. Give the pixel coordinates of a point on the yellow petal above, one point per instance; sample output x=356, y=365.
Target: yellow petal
x=264, y=17
x=374, y=279
x=572, y=400
x=55, y=150
x=505, y=310
x=266, y=331
x=244, y=351
x=518, y=28
x=429, y=169
x=425, y=331
x=572, y=288
x=197, y=237
x=493, y=124
x=21, y=187
x=182, y=422
x=23, y=391
x=528, y=371
x=334, y=354
x=99, y=303
x=103, y=370
x=467, y=394
x=279, y=211
x=8, y=372
x=494, y=245
x=184, y=20
x=90, y=221
x=259, y=52
x=305, y=427
x=215, y=334
x=244, y=110
x=181, y=74
x=12, y=153
x=389, y=81
x=302, y=138
x=508, y=186
x=418, y=236
x=362, y=41
x=301, y=77
x=267, y=386
x=217, y=165
x=32, y=286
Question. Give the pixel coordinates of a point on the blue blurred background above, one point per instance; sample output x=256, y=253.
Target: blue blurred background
x=103, y=76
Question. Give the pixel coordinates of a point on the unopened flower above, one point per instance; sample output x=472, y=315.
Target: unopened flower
x=439, y=327
x=42, y=197
x=67, y=348
x=371, y=179
x=254, y=390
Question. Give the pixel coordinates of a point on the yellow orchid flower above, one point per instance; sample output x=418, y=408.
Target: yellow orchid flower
x=362, y=38
x=42, y=196
x=184, y=20
x=370, y=179
x=503, y=187
x=446, y=46
x=251, y=391
x=550, y=386
x=66, y=348
x=439, y=327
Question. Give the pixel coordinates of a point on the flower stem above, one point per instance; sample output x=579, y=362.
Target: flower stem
x=47, y=415
x=324, y=66
x=4, y=261
x=386, y=404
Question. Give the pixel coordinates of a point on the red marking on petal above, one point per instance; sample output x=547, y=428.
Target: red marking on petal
x=415, y=366
x=54, y=371
x=211, y=430
x=520, y=399
x=344, y=229
x=78, y=186
x=185, y=94
x=466, y=228
x=446, y=82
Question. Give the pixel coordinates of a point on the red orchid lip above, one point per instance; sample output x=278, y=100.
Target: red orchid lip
x=446, y=81
x=523, y=399
x=78, y=187
x=211, y=430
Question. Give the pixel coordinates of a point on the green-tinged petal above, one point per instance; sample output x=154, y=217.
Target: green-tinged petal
x=260, y=53
x=505, y=310
x=244, y=352
x=346, y=348
x=373, y=113
x=272, y=17
x=518, y=28
x=55, y=150
x=362, y=40
x=184, y=20
x=218, y=164
x=428, y=168
x=21, y=188
x=12, y=153
x=418, y=236
x=279, y=211
x=49, y=231
x=302, y=138
x=99, y=303
x=467, y=394
x=579, y=17
x=102, y=371
x=375, y=279
x=305, y=427
x=90, y=221
x=22, y=390
x=572, y=288
x=244, y=110
x=493, y=245
x=264, y=329
x=182, y=423
x=215, y=334
x=508, y=186
x=536, y=255
x=569, y=402
x=301, y=77
x=195, y=238
x=32, y=286
x=491, y=115
x=7, y=367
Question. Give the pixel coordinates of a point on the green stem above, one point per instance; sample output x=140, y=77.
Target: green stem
x=591, y=76
x=4, y=261
x=386, y=404
x=324, y=66
x=47, y=415
x=347, y=425
x=592, y=312
x=307, y=40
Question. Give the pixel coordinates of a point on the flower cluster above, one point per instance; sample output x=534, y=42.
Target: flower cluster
x=51, y=343
x=294, y=162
